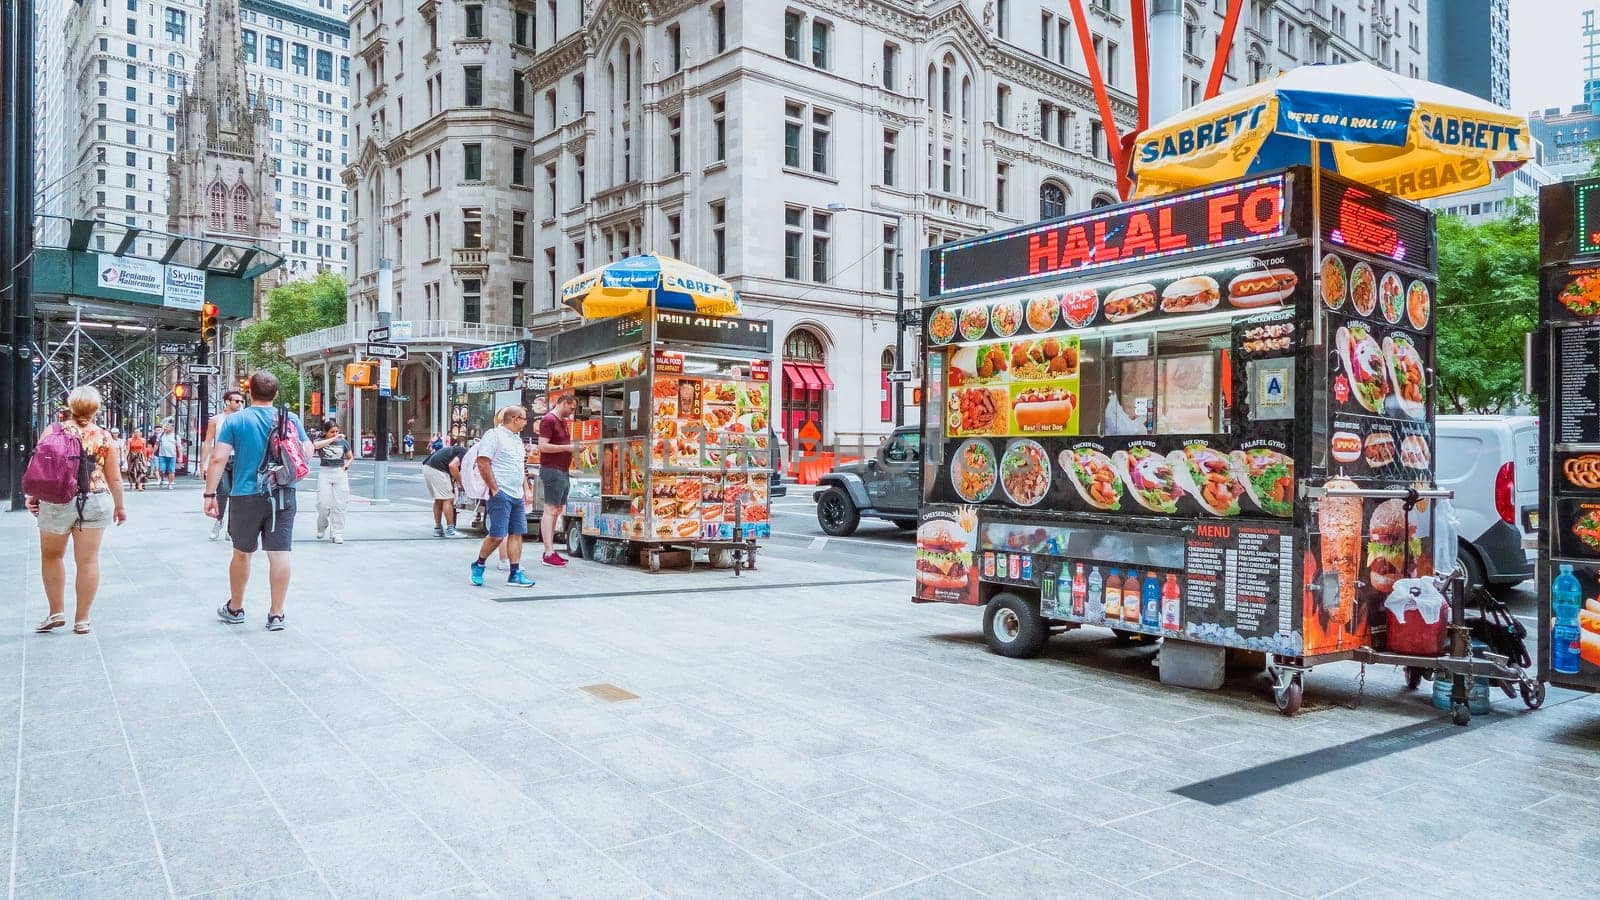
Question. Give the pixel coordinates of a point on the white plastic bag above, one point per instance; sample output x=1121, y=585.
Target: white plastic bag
x=1446, y=527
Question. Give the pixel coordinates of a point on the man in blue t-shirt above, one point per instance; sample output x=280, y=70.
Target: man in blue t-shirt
x=259, y=514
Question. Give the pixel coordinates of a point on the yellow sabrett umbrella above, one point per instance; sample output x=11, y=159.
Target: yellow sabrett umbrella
x=1403, y=136
x=649, y=280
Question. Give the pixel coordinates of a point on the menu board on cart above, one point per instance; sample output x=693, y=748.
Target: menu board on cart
x=1577, y=393
x=1239, y=587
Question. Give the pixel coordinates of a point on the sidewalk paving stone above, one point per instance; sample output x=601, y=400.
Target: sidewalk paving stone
x=411, y=735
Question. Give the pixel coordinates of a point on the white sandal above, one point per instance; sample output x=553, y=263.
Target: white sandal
x=81, y=627
x=51, y=623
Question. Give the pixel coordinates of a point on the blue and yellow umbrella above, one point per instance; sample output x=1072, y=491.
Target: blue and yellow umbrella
x=649, y=280
x=1403, y=136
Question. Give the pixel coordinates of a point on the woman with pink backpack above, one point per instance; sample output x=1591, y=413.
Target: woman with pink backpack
x=74, y=488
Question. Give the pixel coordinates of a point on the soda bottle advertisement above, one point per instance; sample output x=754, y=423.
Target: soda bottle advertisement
x=1574, y=639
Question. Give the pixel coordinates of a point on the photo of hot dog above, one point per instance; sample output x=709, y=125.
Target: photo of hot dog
x=1038, y=409
x=711, y=512
x=1346, y=446
x=665, y=508
x=688, y=528
x=1414, y=452
x=1263, y=288
x=1130, y=302
x=1196, y=293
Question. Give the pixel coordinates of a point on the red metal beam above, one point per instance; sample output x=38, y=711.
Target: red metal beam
x=1141, y=63
x=1101, y=97
x=1219, y=63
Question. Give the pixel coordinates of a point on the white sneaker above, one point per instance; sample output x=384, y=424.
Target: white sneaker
x=216, y=530
x=501, y=565
x=338, y=539
x=322, y=534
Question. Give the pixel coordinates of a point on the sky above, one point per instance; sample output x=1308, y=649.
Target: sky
x=1546, y=52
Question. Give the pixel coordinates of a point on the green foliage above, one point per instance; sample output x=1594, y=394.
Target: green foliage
x=292, y=308
x=1488, y=299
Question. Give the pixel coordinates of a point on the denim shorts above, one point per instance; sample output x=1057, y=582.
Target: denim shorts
x=166, y=464
x=507, y=515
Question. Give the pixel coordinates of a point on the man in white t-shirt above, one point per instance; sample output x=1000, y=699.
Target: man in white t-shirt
x=502, y=463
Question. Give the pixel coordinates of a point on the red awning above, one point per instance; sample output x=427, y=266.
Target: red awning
x=808, y=376
x=791, y=375
x=821, y=374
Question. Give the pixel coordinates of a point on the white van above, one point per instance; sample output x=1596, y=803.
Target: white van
x=1492, y=464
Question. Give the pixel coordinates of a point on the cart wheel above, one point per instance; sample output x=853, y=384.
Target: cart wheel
x=1532, y=693
x=1288, y=693
x=1012, y=626
x=1414, y=676
x=1511, y=692
x=1460, y=713
x=575, y=539
x=653, y=562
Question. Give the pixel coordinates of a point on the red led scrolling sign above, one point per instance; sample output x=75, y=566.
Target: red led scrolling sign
x=1223, y=216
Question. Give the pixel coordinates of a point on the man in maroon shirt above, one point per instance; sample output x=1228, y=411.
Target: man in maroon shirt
x=556, y=447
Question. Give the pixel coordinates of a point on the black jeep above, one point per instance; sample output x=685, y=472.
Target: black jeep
x=885, y=486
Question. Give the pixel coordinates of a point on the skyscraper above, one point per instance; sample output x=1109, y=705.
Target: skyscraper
x=1470, y=48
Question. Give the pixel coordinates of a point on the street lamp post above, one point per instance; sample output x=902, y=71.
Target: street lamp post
x=899, y=299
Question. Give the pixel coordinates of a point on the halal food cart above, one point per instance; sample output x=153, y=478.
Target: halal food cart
x=1205, y=417
x=1565, y=372
x=672, y=419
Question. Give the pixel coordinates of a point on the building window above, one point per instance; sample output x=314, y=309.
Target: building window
x=821, y=225
x=219, y=207
x=1052, y=200
x=519, y=291
x=674, y=48
x=890, y=262
x=579, y=170
x=550, y=191
x=891, y=63
x=1002, y=179
x=719, y=28
x=472, y=78
x=1047, y=30
x=801, y=402
x=795, y=220
x=794, y=238
x=675, y=235
x=519, y=166
x=675, y=144
x=719, y=237
x=1097, y=140
x=793, y=22
x=524, y=27
x=274, y=52
x=247, y=40
x=947, y=171
x=793, y=133
x=550, y=275
x=241, y=209
x=472, y=228
x=891, y=147
x=821, y=39
x=518, y=89
x=177, y=24
x=472, y=14
x=1002, y=19
x=472, y=300
x=301, y=56
x=324, y=66
x=719, y=128
x=1002, y=106
x=796, y=137
x=471, y=162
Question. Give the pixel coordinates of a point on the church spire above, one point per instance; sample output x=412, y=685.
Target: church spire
x=219, y=79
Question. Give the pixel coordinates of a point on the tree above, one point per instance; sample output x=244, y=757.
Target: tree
x=1488, y=299
x=292, y=308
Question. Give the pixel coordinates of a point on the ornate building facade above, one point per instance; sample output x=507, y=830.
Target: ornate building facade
x=220, y=177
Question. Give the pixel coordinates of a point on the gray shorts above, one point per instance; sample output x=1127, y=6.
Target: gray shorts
x=554, y=484
x=61, y=518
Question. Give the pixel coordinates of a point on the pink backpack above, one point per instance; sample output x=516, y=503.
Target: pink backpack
x=59, y=471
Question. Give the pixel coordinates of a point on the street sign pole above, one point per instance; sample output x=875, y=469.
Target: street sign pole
x=380, y=452
x=202, y=398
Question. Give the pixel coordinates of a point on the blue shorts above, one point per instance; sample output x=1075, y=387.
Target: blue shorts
x=166, y=465
x=507, y=515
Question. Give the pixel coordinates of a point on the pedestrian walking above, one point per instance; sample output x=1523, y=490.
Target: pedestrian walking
x=138, y=460
x=232, y=402
x=167, y=458
x=441, y=473
x=262, y=442
x=503, y=464
x=555, y=459
x=333, y=481
x=410, y=445
x=74, y=488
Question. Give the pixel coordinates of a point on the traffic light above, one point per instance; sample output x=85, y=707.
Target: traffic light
x=244, y=384
x=180, y=391
x=208, y=321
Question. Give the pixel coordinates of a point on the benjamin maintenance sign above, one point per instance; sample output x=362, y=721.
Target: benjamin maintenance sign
x=179, y=287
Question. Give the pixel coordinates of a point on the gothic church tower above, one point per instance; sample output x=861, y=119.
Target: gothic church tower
x=221, y=174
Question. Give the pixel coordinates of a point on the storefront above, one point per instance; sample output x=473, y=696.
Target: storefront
x=805, y=378
x=484, y=379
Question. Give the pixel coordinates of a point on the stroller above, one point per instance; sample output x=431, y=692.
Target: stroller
x=1500, y=631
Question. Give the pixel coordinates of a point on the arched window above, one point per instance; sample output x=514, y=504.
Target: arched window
x=1258, y=63
x=1102, y=200
x=1052, y=200
x=219, y=207
x=945, y=104
x=804, y=345
x=966, y=100
x=932, y=78
x=241, y=209
x=1191, y=30
x=627, y=72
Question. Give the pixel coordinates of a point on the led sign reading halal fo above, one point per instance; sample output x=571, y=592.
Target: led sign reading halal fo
x=486, y=359
x=1224, y=216
x=1586, y=200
